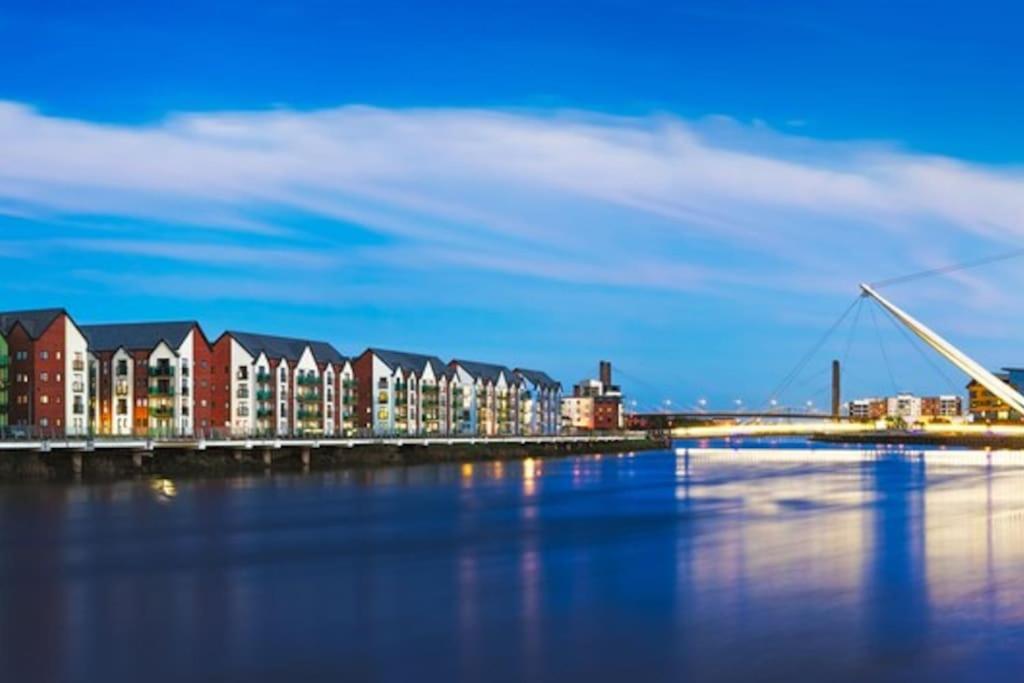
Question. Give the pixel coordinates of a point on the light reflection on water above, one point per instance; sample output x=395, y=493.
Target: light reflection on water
x=716, y=564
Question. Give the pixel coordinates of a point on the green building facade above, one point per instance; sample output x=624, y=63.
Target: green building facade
x=5, y=363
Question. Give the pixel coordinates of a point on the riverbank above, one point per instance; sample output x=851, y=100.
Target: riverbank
x=895, y=438
x=184, y=462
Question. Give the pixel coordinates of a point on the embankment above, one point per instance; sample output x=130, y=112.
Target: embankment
x=185, y=462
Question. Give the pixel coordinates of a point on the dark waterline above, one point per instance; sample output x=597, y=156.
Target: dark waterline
x=651, y=567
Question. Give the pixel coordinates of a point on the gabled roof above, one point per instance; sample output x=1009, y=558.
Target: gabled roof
x=35, y=322
x=485, y=371
x=541, y=379
x=137, y=336
x=275, y=347
x=409, y=362
x=289, y=348
x=325, y=353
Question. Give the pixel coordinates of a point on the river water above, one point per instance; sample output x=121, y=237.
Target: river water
x=769, y=563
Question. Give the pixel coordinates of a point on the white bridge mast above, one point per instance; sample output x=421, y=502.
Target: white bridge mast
x=975, y=371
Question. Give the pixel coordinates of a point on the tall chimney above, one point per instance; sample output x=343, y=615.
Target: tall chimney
x=605, y=373
x=835, y=390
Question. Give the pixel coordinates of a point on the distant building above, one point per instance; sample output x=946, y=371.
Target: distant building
x=983, y=405
x=907, y=407
x=867, y=409
x=595, y=404
x=4, y=363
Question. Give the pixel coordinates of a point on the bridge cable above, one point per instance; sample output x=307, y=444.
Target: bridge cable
x=787, y=380
x=964, y=265
x=916, y=344
x=885, y=356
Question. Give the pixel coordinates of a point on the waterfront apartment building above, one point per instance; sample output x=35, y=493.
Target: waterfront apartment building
x=408, y=393
x=167, y=379
x=48, y=373
x=270, y=385
x=867, y=409
x=149, y=379
x=540, y=400
x=491, y=399
x=4, y=364
x=983, y=406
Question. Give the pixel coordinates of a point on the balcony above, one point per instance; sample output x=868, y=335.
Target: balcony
x=308, y=415
x=161, y=371
x=161, y=391
x=264, y=413
x=307, y=380
x=161, y=411
x=263, y=394
x=263, y=377
x=308, y=397
x=4, y=361
x=349, y=384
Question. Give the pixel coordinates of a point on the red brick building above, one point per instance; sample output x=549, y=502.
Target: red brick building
x=49, y=389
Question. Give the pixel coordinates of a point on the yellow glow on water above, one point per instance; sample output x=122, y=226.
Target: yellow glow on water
x=531, y=470
x=466, y=470
x=164, y=489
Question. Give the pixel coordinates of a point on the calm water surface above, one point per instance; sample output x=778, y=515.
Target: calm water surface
x=695, y=567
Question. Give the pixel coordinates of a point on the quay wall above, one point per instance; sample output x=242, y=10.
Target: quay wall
x=21, y=464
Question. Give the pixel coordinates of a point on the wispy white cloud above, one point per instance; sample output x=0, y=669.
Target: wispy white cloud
x=656, y=202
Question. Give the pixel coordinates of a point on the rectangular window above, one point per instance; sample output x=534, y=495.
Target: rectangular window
x=44, y=355
x=44, y=377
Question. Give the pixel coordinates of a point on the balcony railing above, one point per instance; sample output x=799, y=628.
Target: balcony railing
x=161, y=411
x=263, y=377
x=307, y=380
x=263, y=413
x=306, y=415
x=161, y=371
x=161, y=391
x=4, y=361
x=349, y=383
x=263, y=394
x=308, y=396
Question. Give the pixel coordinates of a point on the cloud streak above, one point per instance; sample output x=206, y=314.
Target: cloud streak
x=654, y=202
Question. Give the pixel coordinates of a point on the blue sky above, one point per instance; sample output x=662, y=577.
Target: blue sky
x=692, y=190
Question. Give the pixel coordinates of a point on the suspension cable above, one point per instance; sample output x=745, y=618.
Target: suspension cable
x=942, y=270
x=885, y=356
x=787, y=380
x=916, y=344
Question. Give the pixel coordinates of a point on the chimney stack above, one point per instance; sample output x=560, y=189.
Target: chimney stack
x=605, y=373
x=835, y=390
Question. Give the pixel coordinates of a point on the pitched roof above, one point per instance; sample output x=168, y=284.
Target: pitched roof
x=539, y=378
x=35, y=322
x=325, y=353
x=289, y=348
x=485, y=371
x=410, y=362
x=137, y=336
x=275, y=347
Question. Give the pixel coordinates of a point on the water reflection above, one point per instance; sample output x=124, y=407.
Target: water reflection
x=757, y=564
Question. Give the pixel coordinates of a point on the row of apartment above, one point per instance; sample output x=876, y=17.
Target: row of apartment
x=170, y=379
x=907, y=407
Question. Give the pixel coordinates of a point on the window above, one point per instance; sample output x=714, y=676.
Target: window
x=243, y=372
x=382, y=383
x=21, y=355
x=44, y=355
x=44, y=399
x=382, y=414
x=44, y=422
x=284, y=375
x=122, y=368
x=122, y=406
x=243, y=411
x=44, y=377
x=58, y=355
